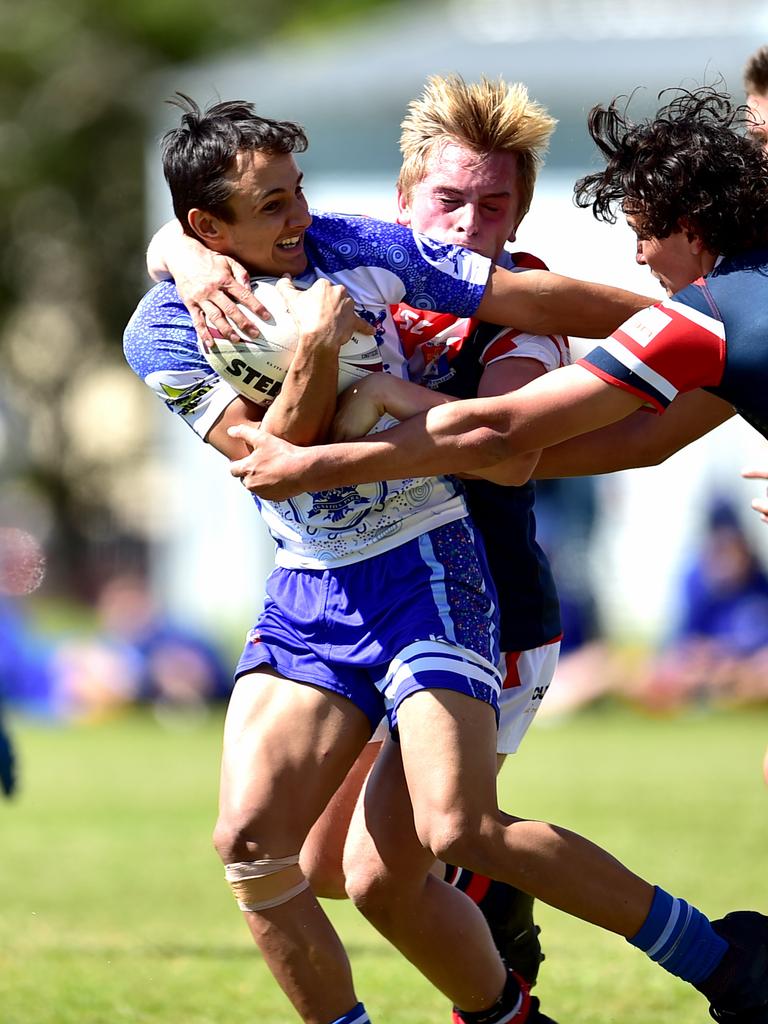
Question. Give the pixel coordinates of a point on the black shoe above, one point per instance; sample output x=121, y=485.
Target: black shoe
x=738, y=987
x=535, y=1016
x=509, y=913
x=520, y=950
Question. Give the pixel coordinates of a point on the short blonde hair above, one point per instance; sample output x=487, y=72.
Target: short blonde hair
x=484, y=116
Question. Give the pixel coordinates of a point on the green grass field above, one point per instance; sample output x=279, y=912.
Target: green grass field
x=114, y=908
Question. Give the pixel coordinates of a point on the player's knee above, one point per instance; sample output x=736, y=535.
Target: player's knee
x=373, y=891
x=224, y=842
x=236, y=839
x=447, y=835
x=324, y=873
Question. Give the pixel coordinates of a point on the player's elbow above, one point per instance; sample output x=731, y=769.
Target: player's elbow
x=518, y=471
x=648, y=452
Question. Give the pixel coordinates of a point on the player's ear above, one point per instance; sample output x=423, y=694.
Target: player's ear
x=208, y=228
x=403, y=210
x=694, y=239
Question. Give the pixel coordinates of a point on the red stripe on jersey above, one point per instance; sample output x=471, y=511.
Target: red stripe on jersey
x=525, y=261
x=505, y=343
x=678, y=348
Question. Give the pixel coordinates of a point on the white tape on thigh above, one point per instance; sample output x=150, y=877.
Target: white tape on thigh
x=263, y=884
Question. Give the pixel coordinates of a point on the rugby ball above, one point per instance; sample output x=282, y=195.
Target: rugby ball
x=256, y=367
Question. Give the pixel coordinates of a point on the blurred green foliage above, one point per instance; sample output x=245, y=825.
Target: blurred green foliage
x=73, y=127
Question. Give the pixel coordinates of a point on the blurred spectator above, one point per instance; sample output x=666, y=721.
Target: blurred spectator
x=139, y=655
x=134, y=654
x=719, y=652
x=24, y=670
x=22, y=679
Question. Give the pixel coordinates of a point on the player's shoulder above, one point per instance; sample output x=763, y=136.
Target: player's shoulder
x=343, y=243
x=160, y=331
x=160, y=304
x=340, y=228
x=740, y=283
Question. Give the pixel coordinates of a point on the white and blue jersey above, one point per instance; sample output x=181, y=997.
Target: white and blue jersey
x=380, y=264
x=421, y=614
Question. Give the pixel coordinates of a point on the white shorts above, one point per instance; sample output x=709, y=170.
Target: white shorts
x=527, y=676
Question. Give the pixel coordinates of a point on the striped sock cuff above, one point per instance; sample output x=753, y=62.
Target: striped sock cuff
x=679, y=938
x=357, y=1015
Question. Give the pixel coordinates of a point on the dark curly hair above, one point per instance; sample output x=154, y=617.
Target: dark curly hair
x=756, y=72
x=199, y=153
x=691, y=165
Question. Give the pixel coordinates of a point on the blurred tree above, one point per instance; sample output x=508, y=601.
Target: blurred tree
x=72, y=138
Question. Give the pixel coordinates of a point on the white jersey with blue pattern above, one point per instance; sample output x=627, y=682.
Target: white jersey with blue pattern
x=380, y=264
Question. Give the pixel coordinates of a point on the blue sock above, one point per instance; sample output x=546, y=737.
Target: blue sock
x=357, y=1015
x=680, y=939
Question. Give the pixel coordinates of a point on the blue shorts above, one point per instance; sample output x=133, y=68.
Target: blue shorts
x=422, y=616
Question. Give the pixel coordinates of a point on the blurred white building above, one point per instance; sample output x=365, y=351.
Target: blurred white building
x=350, y=90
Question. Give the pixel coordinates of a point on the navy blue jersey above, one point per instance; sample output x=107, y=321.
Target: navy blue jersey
x=711, y=335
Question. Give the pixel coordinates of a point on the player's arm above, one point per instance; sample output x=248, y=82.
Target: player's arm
x=380, y=394
x=541, y=302
x=638, y=440
x=504, y=377
x=240, y=412
x=210, y=285
x=325, y=316
x=362, y=405
x=455, y=437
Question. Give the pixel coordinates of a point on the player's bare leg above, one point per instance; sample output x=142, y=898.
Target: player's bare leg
x=450, y=741
x=448, y=752
x=434, y=925
x=287, y=748
x=322, y=853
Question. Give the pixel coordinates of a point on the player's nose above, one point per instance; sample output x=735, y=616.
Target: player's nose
x=468, y=219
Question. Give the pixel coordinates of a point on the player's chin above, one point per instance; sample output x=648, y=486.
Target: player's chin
x=290, y=261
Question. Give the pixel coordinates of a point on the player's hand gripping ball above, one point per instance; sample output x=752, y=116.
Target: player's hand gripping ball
x=256, y=367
